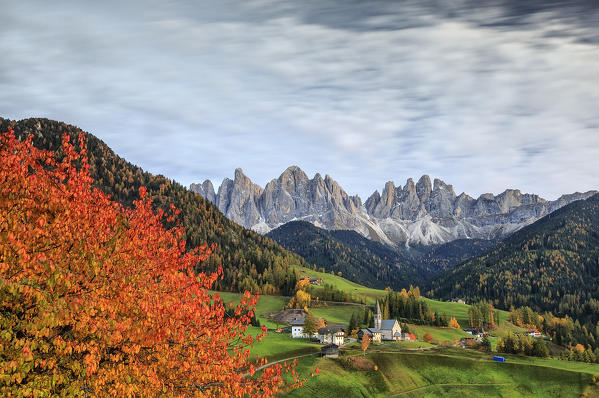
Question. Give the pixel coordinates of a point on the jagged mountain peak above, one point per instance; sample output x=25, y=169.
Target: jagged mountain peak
x=427, y=212
x=206, y=189
x=294, y=172
x=239, y=175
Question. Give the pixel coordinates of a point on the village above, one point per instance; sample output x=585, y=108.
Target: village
x=302, y=324
x=332, y=337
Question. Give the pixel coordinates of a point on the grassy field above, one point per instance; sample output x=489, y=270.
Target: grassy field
x=397, y=345
x=590, y=368
x=438, y=334
x=433, y=375
x=265, y=305
x=276, y=346
x=371, y=295
x=336, y=314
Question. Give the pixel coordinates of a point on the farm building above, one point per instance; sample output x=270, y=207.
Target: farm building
x=330, y=351
x=534, y=333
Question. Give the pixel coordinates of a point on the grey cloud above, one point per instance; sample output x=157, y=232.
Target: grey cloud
x=484, y=97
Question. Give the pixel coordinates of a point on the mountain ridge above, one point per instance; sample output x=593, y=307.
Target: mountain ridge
x=418, y=213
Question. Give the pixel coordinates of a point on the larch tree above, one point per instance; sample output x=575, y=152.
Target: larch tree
x=365, y=342
x=99, y=300
x=454, y=323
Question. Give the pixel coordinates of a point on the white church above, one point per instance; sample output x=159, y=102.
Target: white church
x=384, y=329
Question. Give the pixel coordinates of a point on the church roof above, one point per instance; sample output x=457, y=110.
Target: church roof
x=387, y=324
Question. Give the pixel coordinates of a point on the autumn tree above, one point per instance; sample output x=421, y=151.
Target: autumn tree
x=98, y=300
x=302, y=284
x=454, y=323
x=320, y=323
x=300, y=300
x=365, y=343
x=428, y=338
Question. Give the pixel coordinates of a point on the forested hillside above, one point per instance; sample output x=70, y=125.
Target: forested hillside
x=437, y=258
x=250, y=261
x=551, y=265
x=357, y=258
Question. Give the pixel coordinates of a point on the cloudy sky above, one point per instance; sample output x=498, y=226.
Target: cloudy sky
x=485, y=95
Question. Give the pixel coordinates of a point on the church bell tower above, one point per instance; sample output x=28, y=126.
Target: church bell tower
x=378, y=317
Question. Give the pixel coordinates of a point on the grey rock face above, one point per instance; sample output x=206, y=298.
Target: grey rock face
x=421, y=213
x=206, y=189
x=238, y=199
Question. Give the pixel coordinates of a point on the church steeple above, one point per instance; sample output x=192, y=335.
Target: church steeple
x=378, y=317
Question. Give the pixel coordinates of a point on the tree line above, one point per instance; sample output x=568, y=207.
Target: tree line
x=580, y=339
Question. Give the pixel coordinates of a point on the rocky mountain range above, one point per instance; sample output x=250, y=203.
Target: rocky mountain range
x=417, y=213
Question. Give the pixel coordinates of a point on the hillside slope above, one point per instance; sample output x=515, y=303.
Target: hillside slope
x=250, y=261
x=372, y=263
x=357, y=258
x=551, y=265
x=444, y=374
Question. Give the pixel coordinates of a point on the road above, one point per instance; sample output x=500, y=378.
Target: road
x=279, y=361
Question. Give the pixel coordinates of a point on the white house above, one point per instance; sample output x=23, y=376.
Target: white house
x=297, y=329
x=534, y=333
x=331, y=335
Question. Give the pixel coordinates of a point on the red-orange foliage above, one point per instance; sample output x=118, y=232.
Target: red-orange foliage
x=427, y=338
x=98, y=300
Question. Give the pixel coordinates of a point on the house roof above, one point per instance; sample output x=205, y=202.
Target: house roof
x=297, y=322
x=387, y=324
x=330, y=348
x=331, y=329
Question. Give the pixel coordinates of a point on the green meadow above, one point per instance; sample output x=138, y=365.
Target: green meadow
x=445, y=334
x=426, y=374
x=371, y=295
x=275, y=346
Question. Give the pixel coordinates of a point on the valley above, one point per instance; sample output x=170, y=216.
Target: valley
x=415, y=369
x=475, y=292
